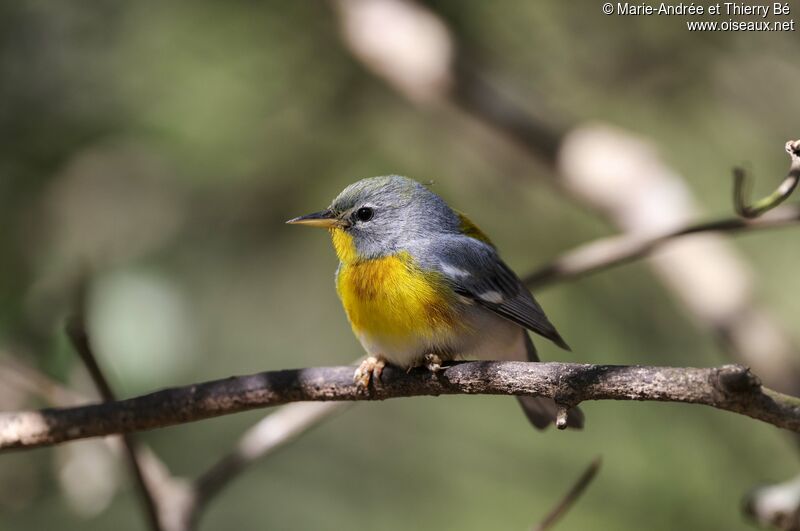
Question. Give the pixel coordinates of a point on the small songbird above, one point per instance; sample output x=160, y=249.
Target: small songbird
x=422, y=284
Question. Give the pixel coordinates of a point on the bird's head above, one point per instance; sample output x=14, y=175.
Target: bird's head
x=379, y=216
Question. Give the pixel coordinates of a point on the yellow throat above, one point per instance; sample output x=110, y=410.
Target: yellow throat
x=391, y=297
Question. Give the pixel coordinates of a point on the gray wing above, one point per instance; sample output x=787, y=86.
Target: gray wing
x=475, y=271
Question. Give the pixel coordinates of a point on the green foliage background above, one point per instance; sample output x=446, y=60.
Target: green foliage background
x=163, y=144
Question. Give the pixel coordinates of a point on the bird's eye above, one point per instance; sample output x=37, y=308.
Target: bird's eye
x=364, y=214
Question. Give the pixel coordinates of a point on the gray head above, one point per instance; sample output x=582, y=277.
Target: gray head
x=383, y=215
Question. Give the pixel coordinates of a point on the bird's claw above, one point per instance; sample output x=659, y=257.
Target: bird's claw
x=370, y=370
x=433, y=362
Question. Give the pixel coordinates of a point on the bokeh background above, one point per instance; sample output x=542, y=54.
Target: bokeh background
x=161, y=145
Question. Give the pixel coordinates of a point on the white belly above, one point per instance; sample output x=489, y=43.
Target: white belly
x=486, y=336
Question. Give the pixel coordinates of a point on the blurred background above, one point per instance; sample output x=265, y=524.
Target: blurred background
x=159, y=146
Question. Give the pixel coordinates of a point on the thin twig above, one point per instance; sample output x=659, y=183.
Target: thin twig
x=570, y=497
x=19, y=375
x=741, y=185
x=601, y=254
x=730, y=387
x=174, y=494
x=79, y=337
x=270, y=433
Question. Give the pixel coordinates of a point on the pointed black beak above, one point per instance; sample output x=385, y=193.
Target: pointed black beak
x=324, y=218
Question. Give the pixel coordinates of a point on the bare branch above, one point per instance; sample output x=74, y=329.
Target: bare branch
x=604, y=253
x=181, y=501
x=270, y=433
x=730, y=387
x=19, y=375
x=173, y=495
x=741, y=184
x=570, y=497
x=76, y=331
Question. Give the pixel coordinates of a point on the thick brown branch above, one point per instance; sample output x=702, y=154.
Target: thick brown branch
x=730, y=387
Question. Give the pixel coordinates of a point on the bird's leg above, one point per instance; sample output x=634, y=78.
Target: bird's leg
x=369, y=370
x=433, y=362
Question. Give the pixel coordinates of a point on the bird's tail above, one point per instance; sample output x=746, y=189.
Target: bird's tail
x=541, y=411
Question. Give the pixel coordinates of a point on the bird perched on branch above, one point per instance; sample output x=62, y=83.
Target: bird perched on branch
x=422, y=284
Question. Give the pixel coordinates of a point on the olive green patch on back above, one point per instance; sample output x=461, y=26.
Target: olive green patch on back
x=468, y=228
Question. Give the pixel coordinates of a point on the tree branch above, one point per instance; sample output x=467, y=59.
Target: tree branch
x=79, y=337
x=740, y=185
x=173, y=496
x=604, y=253
x=730, y=387
x=267, y=435
x=18, y=375
x=570, y=497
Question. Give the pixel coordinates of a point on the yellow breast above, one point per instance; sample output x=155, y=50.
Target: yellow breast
x=390, y=297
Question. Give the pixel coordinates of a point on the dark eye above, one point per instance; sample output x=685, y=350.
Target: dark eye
x=364, y=214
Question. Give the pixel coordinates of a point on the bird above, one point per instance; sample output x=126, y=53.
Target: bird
x=421, y=285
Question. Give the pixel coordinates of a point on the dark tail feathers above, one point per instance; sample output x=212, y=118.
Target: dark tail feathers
x=541, y=411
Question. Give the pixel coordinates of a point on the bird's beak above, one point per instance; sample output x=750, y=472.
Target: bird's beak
x=325, y=219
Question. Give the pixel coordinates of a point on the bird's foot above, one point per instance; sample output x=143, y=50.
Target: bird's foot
x=370, y=370
x=433, y=362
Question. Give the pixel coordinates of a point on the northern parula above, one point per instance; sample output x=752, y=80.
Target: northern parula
x=422, y=284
